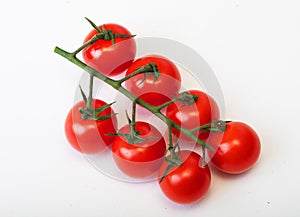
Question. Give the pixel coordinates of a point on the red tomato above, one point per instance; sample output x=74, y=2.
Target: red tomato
x=143, y=159
x=238, y=150
x=163, y=89
x=203, y=111
x=187, y=183
x=89, y=136
x=107, y=58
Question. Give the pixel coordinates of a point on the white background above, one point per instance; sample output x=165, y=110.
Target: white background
x=253, y=48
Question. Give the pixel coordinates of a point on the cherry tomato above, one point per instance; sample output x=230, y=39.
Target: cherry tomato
x=89, y=136
x=203, y=111
x=143, y=159
x=188, y=182
x=238, y=150
x=154, y=91
x=106, y=57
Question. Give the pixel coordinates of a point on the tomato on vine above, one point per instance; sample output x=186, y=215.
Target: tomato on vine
x=138, y=148
x=201, y=111
x=89, y=135
x=238, y=150
x=188, y=182
x=140, y=154
x=159, y=82
x=114, y=50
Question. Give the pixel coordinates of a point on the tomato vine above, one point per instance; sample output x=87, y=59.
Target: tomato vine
x=149, y=69
x=138, y=148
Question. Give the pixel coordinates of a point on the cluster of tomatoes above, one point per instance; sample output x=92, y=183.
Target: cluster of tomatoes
x=138, y=148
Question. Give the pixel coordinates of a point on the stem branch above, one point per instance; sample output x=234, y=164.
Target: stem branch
x=160, y=107
x=133, y=123
x=90, y=97
x=150, y=68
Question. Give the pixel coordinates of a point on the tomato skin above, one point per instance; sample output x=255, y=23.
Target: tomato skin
x=107, y=58
x=187, y=116
x=139, y=160
x=89, y=136
x=187, y=183
x=165, y=87
x=238, y=150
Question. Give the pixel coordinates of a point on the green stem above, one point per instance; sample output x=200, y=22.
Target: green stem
x=90, y=97
x=170, y=135
x=160, y=107
x=129, y=76
x=80, y=64
x=133, y=123
x=93, y=40
x=203, y=157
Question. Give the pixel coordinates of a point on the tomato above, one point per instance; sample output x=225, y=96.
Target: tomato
x=203, y=111
x=89, y=136
x=154, y=91
x=106, y=57
x=143, y=159
x=238, y=150
x=188, y=182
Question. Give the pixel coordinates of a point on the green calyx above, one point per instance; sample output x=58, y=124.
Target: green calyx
x=150, y=69
x=93, y=113
x=187, y=98
x=134, y=136
x=89, y=113
x=216, y=126
x=105, y=34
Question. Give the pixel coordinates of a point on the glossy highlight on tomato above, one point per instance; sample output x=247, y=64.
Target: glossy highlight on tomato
x=143, y=159
x=238, y=150
x=108, y=58
x=90, y=136
x=203, y=111
x=187, y=183
x=154, y=92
